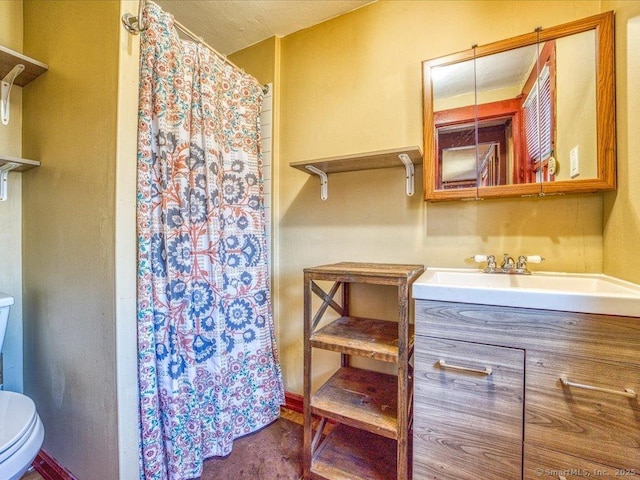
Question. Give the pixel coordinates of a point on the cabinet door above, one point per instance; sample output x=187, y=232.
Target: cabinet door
x=595, y=417
x=468, y=410
x=541, y=464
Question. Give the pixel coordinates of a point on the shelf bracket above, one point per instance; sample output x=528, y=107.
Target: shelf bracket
x=4, y=179
x=323, y=180
x=7, y=83
x=409, y=172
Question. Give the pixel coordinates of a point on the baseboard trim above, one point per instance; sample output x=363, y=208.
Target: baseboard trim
x=49, y=468
x=294, y=402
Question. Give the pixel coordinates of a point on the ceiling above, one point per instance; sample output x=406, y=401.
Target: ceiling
x=502, y=70
x=231, y=25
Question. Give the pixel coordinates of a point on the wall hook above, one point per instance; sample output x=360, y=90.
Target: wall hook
x=7, y=83
x=323, y=180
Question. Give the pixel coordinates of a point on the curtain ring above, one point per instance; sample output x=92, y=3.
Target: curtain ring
x=133, y=24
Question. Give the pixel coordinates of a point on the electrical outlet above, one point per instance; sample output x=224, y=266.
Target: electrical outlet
x=574, y=162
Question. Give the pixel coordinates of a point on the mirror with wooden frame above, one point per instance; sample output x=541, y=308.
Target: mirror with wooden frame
x=530, y=115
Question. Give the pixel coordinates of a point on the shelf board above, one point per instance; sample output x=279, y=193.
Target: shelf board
x=9, y=59
x=365, y=337
x=362, y=272
x=23, y=163
x=360, y=398
x=351, y=454
x=361, y=161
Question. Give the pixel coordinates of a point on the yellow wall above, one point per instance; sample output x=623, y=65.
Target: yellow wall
x=259, y=59
x=353, y=84
x=69, y=209
x=11, y=209
x=622, y=208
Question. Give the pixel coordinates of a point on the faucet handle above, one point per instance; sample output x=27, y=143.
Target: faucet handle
x=490, y=259
x=524, y=259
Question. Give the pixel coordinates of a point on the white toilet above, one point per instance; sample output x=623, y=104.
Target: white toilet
x=21, y=431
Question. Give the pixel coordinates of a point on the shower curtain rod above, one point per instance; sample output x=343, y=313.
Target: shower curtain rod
x=135, y=25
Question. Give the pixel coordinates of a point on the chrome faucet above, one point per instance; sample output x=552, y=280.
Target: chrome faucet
x=508, y=265
x=507, y=262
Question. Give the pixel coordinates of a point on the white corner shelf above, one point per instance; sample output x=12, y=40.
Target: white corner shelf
x=15, y=69
x=397, y=157
x=16, y=164
x=20, y=164
x=32, y=68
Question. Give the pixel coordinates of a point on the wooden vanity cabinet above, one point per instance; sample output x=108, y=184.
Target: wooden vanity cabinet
x=463, y=384
x=580, y=376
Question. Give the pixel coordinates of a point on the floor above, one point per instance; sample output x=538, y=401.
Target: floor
x=32, y=476
x=285, y=413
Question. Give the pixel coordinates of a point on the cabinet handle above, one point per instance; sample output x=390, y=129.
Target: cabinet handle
x=627, y=391
x=485, y=371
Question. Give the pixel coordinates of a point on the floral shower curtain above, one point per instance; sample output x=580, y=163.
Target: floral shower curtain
x=207, y=360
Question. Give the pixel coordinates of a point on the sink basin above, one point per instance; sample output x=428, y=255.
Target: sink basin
x=571, y=292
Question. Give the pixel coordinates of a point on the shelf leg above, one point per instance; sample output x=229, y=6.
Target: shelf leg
x=344, y=358
x=403, y=382
x=307, y=432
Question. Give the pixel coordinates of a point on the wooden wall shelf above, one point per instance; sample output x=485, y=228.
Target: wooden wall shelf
x=397, y=157
x=9, y=163
x=9, y=59
x=361, y=161
x=22, y=163
x=15, y=69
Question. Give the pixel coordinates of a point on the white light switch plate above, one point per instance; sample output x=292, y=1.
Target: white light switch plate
x=574, y=162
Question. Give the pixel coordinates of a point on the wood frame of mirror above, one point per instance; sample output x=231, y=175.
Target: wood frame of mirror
x=603, y=25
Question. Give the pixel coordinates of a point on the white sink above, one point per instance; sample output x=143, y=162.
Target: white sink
x=571, y=292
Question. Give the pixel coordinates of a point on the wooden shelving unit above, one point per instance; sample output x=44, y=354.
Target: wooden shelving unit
x=397, y=157
x=372, y=410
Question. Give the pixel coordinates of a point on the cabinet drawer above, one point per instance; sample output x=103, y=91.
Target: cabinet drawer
x=583, y=334
x=547, y=464
x=467, y=422
x=602, y=426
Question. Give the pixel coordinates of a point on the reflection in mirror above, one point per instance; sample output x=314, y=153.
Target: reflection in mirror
x=501, y=80
x=512, y=94
x=537, y=112
x=575, y=99
x=461, y=169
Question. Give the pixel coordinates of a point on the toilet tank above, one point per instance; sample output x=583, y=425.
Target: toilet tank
x=5, y=305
